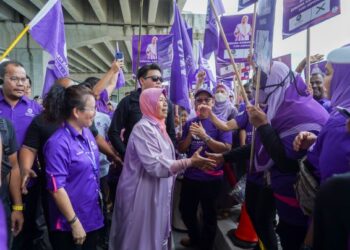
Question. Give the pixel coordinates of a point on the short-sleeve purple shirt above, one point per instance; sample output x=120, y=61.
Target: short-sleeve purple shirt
x=21, y=115
x=72, y=163
x=213, y=132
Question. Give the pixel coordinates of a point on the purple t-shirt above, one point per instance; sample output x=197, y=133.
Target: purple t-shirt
x=102, y=103
x=3, y=228
x=72, y=163
x=213, y=132
x=326, y=104
x=21, y=115
x=331, y=153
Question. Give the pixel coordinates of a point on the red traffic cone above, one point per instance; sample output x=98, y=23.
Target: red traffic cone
x=244, y=235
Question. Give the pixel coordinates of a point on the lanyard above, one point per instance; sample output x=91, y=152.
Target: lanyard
x=92, y=158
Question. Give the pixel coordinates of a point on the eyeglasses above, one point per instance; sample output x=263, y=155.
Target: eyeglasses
x=18, y=79
x=88, y=109
x=154, y=78
x=201, y=100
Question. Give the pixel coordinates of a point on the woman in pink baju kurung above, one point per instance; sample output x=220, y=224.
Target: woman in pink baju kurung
x=141, y=217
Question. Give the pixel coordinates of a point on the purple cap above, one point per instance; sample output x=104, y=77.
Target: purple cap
x=208, y=91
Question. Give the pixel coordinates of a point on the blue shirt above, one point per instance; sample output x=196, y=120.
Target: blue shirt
x=72, y=163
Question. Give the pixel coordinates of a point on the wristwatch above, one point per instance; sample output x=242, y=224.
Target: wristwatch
x=207, y=139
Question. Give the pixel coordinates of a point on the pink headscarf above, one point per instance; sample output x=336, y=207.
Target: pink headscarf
x=148, y=105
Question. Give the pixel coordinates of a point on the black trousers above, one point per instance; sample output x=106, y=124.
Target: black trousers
x=292, y=236
x=332, y=215
x=204, y=193
x=261, y=209
x=64, y=241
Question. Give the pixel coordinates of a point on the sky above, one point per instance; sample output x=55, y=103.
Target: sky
x=325, y=37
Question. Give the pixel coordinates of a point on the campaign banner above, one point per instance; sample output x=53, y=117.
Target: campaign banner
x=245, y=3
x=165, y=55
x=300, y=15
x=286, y=59
x=238, y=30
x=265, y=20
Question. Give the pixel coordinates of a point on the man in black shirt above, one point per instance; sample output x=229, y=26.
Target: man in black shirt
x=128, y=112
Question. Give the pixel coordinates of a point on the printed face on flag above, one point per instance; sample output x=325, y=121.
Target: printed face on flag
x=165, y=55
x=238, y=30
x=300, y=15
x=148, y=52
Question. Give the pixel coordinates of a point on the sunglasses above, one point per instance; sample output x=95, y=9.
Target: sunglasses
x=154, y=78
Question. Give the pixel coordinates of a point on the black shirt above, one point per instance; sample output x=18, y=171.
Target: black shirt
x=127, y=114
x=9, y=147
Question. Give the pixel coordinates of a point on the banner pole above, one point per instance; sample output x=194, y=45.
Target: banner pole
x=139, y=41
x=14, y=42
x=252, y=149
x=223, y=36
x=308, y=57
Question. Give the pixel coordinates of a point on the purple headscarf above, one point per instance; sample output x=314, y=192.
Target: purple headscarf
x=225, y=110
x=290, y=110
x=340, y=83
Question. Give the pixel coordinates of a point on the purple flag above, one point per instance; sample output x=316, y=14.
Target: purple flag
x=211, y=34
x=300, y=15
x=47, y=29
x=286, y=59
x=265, y=20
x=238, y=30
x=148, y=53
x=120, y=80
x=203, y=65
x=183, y=65
x=245, y=3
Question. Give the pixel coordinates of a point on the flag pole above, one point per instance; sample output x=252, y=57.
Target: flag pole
x=139, y=42
x=257, y=87
x=229, y=53
x=14, y=42
x=308, y=57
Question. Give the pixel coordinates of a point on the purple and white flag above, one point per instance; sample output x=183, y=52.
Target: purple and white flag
x=286, y=59
x=47, y=29
x=265, y=20
x=120, y=80
x=183, y=65
x=211, y=34
x=245, y=3
x=148, y=52
x=238, y=30
x=300, y=15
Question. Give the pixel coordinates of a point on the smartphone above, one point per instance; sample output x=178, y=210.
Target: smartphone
x=119, y=56
x=345, y=112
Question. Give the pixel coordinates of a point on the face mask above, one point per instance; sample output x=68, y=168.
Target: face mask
x=220, y=97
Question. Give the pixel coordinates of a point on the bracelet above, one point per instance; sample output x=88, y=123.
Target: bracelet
x=207, y=139
x=17, y=207
x=75, y=218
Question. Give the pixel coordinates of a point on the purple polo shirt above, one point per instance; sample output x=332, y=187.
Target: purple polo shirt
x=213, y=132
x=101, y=103
x=3, y=228
x=242, y=121
x=21, y=115
x=72, y=163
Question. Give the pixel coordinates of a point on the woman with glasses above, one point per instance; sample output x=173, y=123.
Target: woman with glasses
x=142, y=212
x=72, y=173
